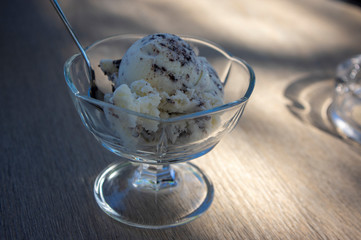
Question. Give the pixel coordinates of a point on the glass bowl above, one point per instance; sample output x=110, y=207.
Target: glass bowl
x=156, y=188
x=345, y=110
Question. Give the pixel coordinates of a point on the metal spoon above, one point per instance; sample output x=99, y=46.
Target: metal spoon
x=93, y=87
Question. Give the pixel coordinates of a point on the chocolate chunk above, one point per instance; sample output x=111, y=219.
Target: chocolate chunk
x=184, y=88
x=201, y=103
x=117, y=62
x=161, y=35
x=155, y=67
x=172, y=77
x=201, y=122
x=147, y=135
x=184, y=133
x=170, y=101
x=115, y=115
x=156, y=51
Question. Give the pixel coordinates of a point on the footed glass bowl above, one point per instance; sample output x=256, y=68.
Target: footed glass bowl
x=155, y=188
x=345, y=110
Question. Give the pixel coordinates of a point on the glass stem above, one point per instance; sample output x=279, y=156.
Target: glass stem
x=154, y=177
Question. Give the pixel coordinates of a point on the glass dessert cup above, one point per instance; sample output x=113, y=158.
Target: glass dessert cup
x=152, y=185
x=345, y=110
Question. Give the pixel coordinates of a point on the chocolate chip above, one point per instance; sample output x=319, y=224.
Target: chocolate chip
x=155, y=50
x=117, y=62
x=172, y=77
x=147, y=135
x=201, y=103
x=161, y=35
x=115, y=115
x=201, y=122
x=184, y=133
x=170, y=101
x=184, y=88
x=155, y=67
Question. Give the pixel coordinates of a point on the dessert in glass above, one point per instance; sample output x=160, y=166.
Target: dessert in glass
x=160, y=101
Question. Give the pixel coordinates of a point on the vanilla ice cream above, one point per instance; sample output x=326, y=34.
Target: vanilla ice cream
x=160, y=75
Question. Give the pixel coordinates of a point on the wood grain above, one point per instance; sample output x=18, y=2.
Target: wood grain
x=283, y=173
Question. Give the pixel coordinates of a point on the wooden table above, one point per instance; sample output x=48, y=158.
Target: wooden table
x=283, y=173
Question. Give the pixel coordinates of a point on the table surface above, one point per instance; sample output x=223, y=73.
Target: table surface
x=283, y=173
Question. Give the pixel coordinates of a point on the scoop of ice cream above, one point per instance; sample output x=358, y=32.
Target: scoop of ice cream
x=165, y=61
x=160, y=75
x=186, y=83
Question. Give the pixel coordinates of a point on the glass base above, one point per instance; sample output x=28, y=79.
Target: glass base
x=174, y=195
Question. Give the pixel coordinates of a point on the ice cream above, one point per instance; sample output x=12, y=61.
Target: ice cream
x=160, y=75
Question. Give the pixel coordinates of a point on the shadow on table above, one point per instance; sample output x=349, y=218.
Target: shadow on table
x=310, y=98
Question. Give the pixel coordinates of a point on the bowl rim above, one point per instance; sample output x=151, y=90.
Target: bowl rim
x=203, y=113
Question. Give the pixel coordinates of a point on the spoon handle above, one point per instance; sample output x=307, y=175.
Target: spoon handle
x=72, y=33
x=93, y=87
